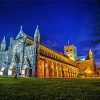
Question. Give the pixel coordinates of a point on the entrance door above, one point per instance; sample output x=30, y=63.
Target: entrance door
x=14, y=70
x=30, y=72
x=26, y=72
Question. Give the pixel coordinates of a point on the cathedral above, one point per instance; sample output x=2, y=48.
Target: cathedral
x=28, y=57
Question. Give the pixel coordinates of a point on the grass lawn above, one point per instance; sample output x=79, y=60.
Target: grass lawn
x=49, y=89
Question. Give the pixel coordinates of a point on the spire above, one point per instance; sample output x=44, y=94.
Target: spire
x=21, y=28
x=11, y=41
x=3, y=44
x=37, y=35
x=3, y=41
x=37, y=30
x=21, y=33
x=91, y=54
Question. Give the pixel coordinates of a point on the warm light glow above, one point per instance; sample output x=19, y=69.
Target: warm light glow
x=9, y=72
x=23, y=72
x=89, y=71
x=2, y=69
x=1, y=73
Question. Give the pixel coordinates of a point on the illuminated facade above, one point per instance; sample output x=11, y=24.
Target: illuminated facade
x=29, y=57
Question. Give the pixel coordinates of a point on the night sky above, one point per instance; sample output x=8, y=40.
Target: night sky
x=58, y=21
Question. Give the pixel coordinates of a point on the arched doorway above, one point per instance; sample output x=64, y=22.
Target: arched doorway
x=2, y=71
x=25, y=71
x=14, y=71
x=30, y=72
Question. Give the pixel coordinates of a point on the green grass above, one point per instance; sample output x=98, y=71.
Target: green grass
x=49, y=89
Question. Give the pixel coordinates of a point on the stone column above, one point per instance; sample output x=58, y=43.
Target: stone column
x=56, y=71
x=46, y=69
x=55, y=74
x=43, y=62
x=52, y=67
x=62, y=71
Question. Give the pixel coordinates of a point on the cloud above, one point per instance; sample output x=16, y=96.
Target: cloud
x=97, y=62
x=51, y=44
x=97, y=48
x=54, y=44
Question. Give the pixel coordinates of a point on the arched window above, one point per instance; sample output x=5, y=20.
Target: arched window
x=68, y=70
x=70, y=49
x=51, y=55
x=47, y=53
x=66, y=50
x=43, y=52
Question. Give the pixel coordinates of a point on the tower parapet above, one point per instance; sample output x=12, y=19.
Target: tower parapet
x=71, y=51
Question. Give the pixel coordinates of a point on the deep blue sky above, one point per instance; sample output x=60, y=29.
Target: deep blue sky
x=58, y=21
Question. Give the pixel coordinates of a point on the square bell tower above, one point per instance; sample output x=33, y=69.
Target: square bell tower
x=70, y=51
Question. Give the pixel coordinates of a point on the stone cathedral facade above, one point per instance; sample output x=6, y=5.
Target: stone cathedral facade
x=27, y=56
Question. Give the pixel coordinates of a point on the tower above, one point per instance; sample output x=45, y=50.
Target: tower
x=70, y=51
x=11, y=42
x=37, y=41
x=3, y=44
x=21, y=33
x=91, y=55
x=37, y=35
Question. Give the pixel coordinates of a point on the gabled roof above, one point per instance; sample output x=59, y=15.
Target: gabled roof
x=21, y=33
